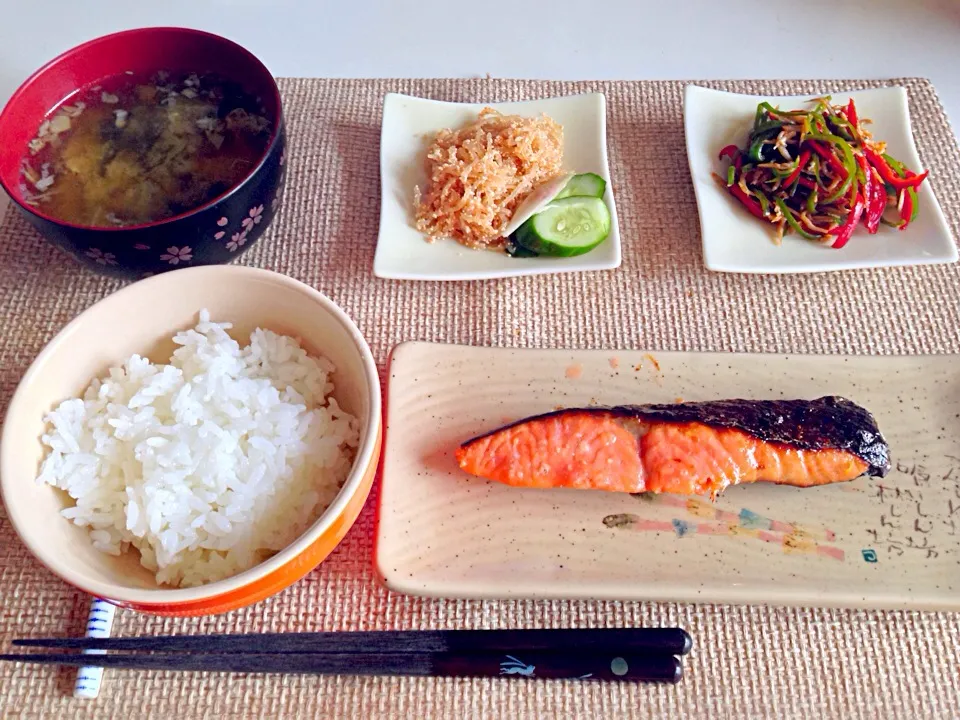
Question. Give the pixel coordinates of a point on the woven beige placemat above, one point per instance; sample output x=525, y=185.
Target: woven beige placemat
x=748, y=662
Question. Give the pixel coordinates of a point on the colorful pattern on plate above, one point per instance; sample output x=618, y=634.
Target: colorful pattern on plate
x=791, y=537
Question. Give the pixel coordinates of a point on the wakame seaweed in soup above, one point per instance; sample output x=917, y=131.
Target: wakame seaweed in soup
x=136, y=149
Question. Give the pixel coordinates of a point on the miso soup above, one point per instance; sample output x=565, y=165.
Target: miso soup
x=137, y=149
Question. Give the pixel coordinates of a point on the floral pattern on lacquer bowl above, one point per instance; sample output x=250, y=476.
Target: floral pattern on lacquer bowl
x=212, y=235
x=215, y=233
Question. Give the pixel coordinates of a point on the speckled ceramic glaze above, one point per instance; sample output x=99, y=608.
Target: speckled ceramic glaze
x=873, y=543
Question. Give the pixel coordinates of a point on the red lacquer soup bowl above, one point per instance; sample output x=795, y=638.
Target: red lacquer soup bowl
x=215, y=232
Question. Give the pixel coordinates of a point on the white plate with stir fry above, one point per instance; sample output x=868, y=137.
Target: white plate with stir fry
x=508, y=189
x=783, y=201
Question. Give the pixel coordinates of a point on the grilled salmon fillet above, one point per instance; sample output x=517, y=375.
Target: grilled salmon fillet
x=685, y=448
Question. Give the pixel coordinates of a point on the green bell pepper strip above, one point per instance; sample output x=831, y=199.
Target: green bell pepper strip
x=731, y=172
x=791, y=188
x=755, y=149
x=766, y=127
x=823, y=103
x=792, y=221
x=764, y=202
x=768, y=108
x=782, y=174
x=801, y=163
x=901, y=169
x=759, y=114
x=841, y=125
x=757, y=142
x=847, y=164
x=812, y=200
x=861, y=172
x=850, y=182
x=895, y=164
x=828, y=157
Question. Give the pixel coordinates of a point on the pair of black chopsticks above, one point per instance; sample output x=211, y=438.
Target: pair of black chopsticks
x=625, y=654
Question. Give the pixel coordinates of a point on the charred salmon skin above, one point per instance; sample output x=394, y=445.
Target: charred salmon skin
x=697, y=448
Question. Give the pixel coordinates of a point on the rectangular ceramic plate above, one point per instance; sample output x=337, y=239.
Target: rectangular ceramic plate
x=735, y=241
x=872, y=543
x=409, y=124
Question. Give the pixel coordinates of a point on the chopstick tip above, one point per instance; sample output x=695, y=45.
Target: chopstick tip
x=678, y=673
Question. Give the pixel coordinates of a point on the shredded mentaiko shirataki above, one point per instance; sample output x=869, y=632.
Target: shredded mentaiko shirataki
x=478, y=175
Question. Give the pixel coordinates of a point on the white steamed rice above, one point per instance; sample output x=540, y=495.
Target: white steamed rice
x=209, y=464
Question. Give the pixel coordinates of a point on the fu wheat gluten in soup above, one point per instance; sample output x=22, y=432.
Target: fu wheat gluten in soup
x=206, y=465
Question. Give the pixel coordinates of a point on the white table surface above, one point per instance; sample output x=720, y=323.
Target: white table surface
x=562, y=40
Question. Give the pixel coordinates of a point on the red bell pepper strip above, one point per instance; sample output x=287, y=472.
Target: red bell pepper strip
x=730, y=151
x=909, y=200
x=912, y=180
x=841, y=157
x=867, y=186
x=906, y=212
x=852, y=114
x=829, y=157
x=801, y=164
x=876, y=206
x=750, y=203
x=875, y=197
x=735, y=155
x=807, y=183
x=844, y=232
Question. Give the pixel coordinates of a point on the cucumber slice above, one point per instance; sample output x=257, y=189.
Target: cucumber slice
x=535, y=202
x=567, y=227
x=583, y=185
x=519, y=251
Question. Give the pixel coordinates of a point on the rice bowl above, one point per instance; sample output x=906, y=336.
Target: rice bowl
x=142, y=319
x=209, y=464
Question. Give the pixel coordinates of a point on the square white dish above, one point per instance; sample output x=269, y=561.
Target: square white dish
x=409, y=124
x=733, y=241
